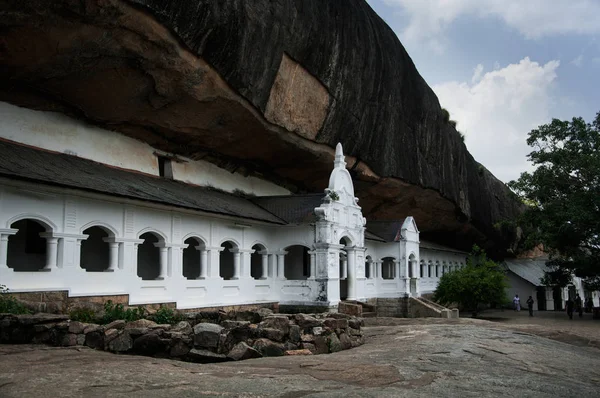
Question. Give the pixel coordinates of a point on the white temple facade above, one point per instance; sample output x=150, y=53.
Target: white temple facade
x=96, y=213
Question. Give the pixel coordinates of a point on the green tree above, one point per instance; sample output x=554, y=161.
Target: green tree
x=563, y=198
x=480, y=282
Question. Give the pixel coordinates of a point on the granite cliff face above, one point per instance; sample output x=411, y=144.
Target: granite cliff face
x=266, y=87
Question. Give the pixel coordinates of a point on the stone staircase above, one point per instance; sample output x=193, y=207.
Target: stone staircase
x=357, y=308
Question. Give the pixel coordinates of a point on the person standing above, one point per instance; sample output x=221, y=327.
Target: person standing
x=569, y=306
x=530, y=305
x=579, y=305
x=517, y=302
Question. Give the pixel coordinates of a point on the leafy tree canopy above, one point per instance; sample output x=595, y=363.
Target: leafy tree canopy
x=481, y=281
x=563, y=197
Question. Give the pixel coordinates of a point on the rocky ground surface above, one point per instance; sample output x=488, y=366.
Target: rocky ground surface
x=402, y=357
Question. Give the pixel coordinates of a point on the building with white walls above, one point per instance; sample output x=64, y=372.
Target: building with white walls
x=95, y=213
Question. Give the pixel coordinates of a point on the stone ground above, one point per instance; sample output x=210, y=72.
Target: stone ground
x=509, y=356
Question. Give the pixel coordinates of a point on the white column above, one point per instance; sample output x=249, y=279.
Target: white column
x=203, y=261
x=281, y=266
x=236, y=263
x=397, y=270
x=3, y=250
x=164, y=262
x=344, y=268
x=4, y=234
x=113, y=256
x=378, y=269
x=51, y=253
x=313, y=265
x=351, y=273
x=264, y=266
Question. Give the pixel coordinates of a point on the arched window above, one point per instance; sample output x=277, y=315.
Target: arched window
x=368, y=265
x=297, y=263
x=388, y=267
x=258, y=262
x=148, y=266
x=438, y=271
x=27, y=250
x=95, y=251
x=227, y=260
x=423, y=267
x=192, y=258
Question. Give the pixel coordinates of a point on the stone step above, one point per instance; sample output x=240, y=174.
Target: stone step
x=369, y=314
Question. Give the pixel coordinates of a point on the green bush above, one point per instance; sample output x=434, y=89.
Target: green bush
x=480, y=282
x=114, y=312
x=9, y=304
x=445, y=115
x=83, y=315
x=165, y=315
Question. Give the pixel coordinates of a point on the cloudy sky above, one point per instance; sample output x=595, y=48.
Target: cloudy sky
x=503, y=67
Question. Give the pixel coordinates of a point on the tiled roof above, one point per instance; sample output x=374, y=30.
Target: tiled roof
x=26, y=163
x=293, y=209
x=389, y=231
x=532, y=270
x=434, y=246
x=371, y=236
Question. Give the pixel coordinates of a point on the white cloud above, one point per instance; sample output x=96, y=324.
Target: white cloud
x=532, y=18
x=496, y=111
x=578, y=61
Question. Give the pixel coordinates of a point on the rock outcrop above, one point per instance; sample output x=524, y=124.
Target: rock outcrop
x=196, y=340
x=264, y=87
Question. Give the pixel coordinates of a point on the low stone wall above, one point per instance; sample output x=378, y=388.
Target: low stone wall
x=203, y=337
x=59, y=302
x=390, y=307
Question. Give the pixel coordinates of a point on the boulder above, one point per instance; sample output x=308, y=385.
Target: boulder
x=306, y=321
x=81, y=339
x=345, y=341
x=95, y=339
x=77, y=327
x=204, y=356
x=68, y=340
x=180, y=348
x=118, y=324
x=92, y=327
x=272, y=334
x=122, y=343
x=151, y=344
x=182, y=327
x=279, y=322
x=207, y=335
x=243, y=351
x=333, y=343
x=268, y=348
x=227, y=324
x=140, y=324
x=335, y=323
x=263, y=313
x=355, y=323
x=321, y=346
x=294, y=333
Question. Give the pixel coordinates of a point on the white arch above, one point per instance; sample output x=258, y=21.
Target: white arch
x=235, y=242
x=346, y=234
x=108, y=228
x=259, y=243
x=46, y=223
x=154, y=231
x=195, y=236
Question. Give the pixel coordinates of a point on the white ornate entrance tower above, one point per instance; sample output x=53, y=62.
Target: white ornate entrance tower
x=340, y=231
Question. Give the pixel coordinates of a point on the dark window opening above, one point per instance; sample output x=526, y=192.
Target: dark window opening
x=165, y=168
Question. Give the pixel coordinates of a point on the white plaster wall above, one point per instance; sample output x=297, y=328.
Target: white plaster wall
x=205, y=173
x=128, y=220
x=60, y=133
x=517, y=285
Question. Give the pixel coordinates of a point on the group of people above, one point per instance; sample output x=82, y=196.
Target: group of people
x=517, y=304
x=571, y=305
x=578, y=306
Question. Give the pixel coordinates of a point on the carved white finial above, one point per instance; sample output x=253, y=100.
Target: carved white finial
x=339, y=157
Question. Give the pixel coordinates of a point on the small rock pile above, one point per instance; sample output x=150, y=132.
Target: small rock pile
x=204, y=337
